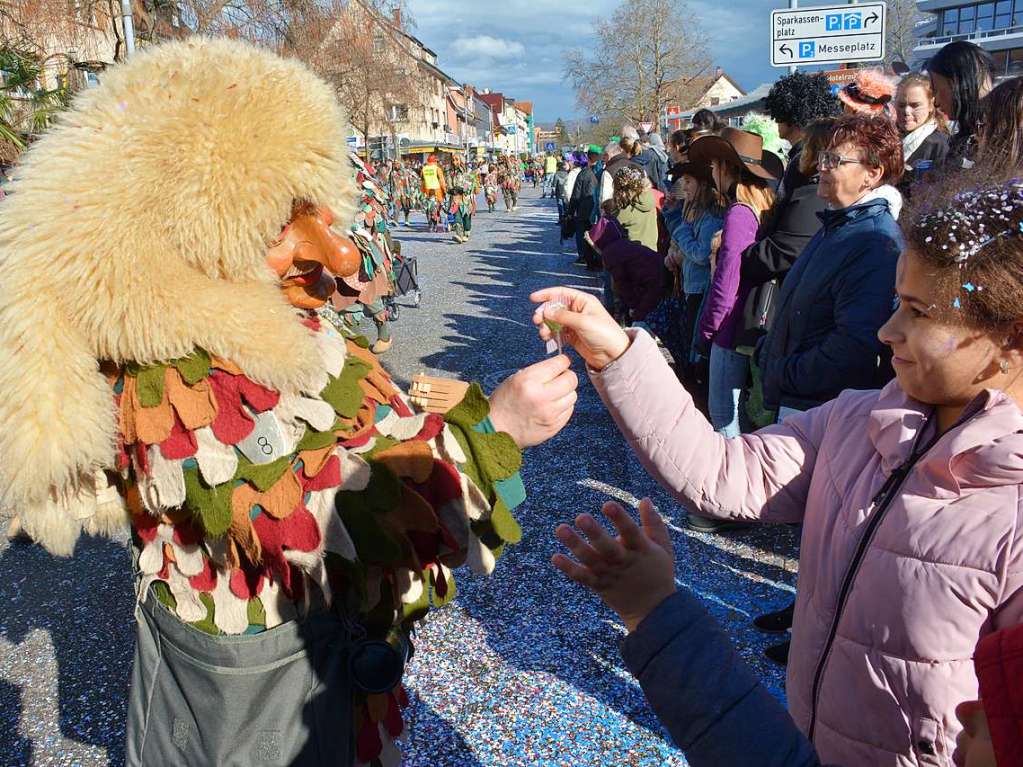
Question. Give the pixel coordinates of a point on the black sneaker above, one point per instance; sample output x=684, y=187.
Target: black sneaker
x=777, y=622
x=710, y=525
x=778, y=653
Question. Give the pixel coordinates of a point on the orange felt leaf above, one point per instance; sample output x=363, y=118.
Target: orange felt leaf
x=226, y=365
x=152, y=424
x=313, y=461
x=241, y=532
x=282, y=499
x=376, y=706
x=371, y=392
x=413, y=459
x=196, y=405
x=126, y=413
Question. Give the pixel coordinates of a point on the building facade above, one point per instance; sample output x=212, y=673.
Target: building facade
x=995, y=26
x=711, y=91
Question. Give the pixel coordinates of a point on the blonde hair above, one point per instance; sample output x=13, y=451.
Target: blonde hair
x=915, y=79
x=756, y=193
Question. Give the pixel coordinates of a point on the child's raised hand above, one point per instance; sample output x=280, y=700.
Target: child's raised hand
x=632, y=573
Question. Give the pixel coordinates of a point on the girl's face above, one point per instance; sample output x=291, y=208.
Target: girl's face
x=941, y=87
x=913, y=108
x=690, y=188
x=724, y=175
x=938, y=361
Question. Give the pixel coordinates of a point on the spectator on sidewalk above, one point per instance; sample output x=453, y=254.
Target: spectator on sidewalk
x=924, y=130
x=1000, y=136
x=911, y=548
x=581, y=208
x=741, y=170
x=840, y=289
x=961, y=76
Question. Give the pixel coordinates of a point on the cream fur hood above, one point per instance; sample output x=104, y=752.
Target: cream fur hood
x=136, y=231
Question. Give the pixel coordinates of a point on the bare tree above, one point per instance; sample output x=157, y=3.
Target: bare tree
x=903, y=18
x=366, y=55
x=647, y=56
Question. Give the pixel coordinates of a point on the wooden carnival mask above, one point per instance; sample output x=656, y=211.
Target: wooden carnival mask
x=308, y=255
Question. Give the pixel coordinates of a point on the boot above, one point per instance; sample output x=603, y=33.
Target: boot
x=776, y=622
x=384, y=341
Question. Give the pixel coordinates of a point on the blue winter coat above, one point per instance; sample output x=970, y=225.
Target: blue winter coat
x=715, y=708
x=693, y=238
x=834, y=299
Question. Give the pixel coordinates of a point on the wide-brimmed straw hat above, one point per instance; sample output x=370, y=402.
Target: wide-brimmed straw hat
x=738, y=147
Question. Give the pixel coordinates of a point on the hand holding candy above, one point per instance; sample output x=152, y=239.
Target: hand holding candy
x=584, y=323
x=632, y=573
x=535, y=403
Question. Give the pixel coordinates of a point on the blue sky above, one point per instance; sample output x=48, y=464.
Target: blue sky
x=515, y=46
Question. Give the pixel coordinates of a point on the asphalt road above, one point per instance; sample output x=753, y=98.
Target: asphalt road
x=523, y=669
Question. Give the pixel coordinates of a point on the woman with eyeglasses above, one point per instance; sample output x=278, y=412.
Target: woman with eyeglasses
x=924, y=129
x=840, y=289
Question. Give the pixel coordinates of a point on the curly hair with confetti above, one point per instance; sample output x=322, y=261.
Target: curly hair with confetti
x=630, y=183
x=973, y=239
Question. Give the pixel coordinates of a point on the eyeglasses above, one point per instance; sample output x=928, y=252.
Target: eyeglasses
x=830, y=160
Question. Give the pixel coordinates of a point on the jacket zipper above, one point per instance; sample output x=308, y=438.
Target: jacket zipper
x=881, y=501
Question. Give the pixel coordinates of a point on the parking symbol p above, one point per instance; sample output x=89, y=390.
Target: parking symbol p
x=853, y=21
x=807, y=49
x=833, y=22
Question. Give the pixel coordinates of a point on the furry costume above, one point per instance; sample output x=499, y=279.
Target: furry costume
x=267, y=465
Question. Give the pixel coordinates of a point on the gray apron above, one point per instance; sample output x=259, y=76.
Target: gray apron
x=283, y=697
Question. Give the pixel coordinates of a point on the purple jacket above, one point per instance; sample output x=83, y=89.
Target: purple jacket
x=892, y=597
x=722, y=309
x=636, y=271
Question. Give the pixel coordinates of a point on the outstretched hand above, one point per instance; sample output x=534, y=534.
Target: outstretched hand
x=585, y=324
x=535, y=403
x=632, y=573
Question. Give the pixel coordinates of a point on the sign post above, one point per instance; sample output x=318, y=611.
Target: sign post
x=828, y=34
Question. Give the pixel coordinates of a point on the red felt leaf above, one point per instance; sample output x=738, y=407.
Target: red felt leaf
x=145, y=526
x=259, y=397
x=297, y=531
x=400, y=407
x=443, y=486
x=432, y=426
x=247, y=581
x=232, y=423
x=329, y=476
x=392, y=722
x=180, y=444
x=205, y=581
x=369, y=745
x=141, y=458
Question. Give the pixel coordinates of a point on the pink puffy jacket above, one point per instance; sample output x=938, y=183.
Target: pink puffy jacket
x=891, y=599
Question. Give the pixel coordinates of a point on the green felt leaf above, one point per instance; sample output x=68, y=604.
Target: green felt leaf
x=344, y=393
x=497, y=454
x=471, y=410
x=211, y=505
x=207, y=624
x=149, y=384
x=256, y=612
x=381, y=494
x=360, y=341
x=504, y=523
x=193, y=368
x=417, y=610
x=449, y=595
x=163, y=593
x=382, y=443
x=373, y=542
x=262, y=476
x=315, y=440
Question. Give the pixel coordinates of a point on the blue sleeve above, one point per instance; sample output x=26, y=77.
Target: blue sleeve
x=695, y=241
x=715, y=708
x=846, y=358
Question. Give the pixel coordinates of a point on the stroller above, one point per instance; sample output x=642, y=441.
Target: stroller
x=405, y=282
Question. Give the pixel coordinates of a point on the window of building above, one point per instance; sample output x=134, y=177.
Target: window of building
x=950, y=22
x=378, y=44
x=397, y=113
x=985, y=17
x=1003, y=14
x=1000, y=59
x=1015, y=61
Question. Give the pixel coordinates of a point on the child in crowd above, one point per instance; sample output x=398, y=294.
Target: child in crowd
x=912, y=547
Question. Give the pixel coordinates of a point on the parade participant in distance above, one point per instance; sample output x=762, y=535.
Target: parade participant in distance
x=435, y=189
x=290, y=515
x=463, y=198
x=909, y=499
x=511, y=184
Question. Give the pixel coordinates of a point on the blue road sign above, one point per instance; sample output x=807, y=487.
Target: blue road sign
x=594, y=119
x=550, y=146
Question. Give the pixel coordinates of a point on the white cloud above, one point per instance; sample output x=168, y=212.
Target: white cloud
x=490, y=47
